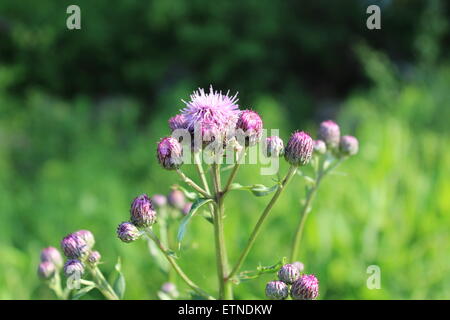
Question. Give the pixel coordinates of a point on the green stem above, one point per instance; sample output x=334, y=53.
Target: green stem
x=103, y=285
x=55, y=285
x=176, y=267
x=200, y=171
x=193, y=184
x=231, y=177
x=260, y=222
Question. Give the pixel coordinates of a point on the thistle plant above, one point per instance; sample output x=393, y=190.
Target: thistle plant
x=209, y=127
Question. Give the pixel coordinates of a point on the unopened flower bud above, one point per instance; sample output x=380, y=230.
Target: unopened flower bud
x=319, y=147
x=87, y=236
x=170, y=153
x=46, y=270
x=94, y=258
x=187, y=208
x=127, y=232
x=274, y=147
x=250, y=122
x=52, y=255
x=142, y=213
x=74, y=247
x=74, y=267
x=305, y=288
x=159, y=200
x=277, y=290
x=176, y=199
x=170, y=289
x=299, y=149
x=288, y=273
x=300, y=266
x=348, y=146
x=177, y=122
x=330, y=133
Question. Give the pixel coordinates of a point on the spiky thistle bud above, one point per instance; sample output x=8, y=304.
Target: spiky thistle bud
x=159, y=200
x=187, y=208
x=299, y=149
x=52, y=255
x=46, y=270
x=142, y=213
x=330, y=133
x=87, y=236
x=176, y=199
x=250, y=122
x=305, y=288
x=94, y=258
x=177, y=122
x=288, y=273
x=170, y=153
x=127, y=232
x=277, y=290
x=74, y=267
x=274, y=147
x=348, y=146
x=74, y=247
x=300, y=266
x=319, y=147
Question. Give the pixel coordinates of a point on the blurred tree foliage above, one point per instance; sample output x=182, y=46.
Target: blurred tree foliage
x=294, y=50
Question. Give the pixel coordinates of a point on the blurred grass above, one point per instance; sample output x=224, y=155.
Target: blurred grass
x=64, y=166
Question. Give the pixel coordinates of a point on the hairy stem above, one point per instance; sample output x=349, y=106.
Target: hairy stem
x=176, y=267
x=261, y=220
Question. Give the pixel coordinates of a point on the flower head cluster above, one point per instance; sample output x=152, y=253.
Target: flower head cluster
x=251, y=124
x=299, y=149
x=277, y=290
x=142, y=213
x=305, y=288
x=170, y=153
x=331, y=140
x=330, y=133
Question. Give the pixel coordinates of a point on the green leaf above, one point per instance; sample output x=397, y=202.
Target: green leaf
x=195, y=206
x=307, y=178
x=258, y=190
x=119, y=283
x=158, y=256
x=260, y=270
x=82, y=292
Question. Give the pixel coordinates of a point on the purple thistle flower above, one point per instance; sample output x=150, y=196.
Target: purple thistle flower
x=274, y=147
x=288, y=273
x=142, y=213
x=176, y=199
x=187, y=208
x=87, y=237
x=305, y=288
x=330, y=133
x=159, y=200
x=94, y=258
x=300, y=266
x=320, y=147
x=52, y=255
x=250, y=122
x=348, y=146
x=74, y=267
x=170, y=289
x=127, y=232
x=177, y=122
x=299, y=149
x=277, y=290
x=74, y=247
x=170, y=153
x=46, y=270
x=222, y=110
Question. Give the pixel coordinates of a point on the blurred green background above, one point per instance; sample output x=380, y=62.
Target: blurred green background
x=81, y=112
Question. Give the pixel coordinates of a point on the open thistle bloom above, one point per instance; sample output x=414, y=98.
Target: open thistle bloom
x=288, y=273
x=274, y=147
x=52, y=255
x=299, y=149
x=176, y=199
x=305, y=288
x=213, y=109
x=159, y=200
x=177, y=122
x=170, y=153
x=319, y=147
x=277, y=290
x=46, y=270
x=87, y=236
x=250, y=122
x=127, y=232
x=142, y=213
x=74, y=247
x=300, y=266
x=348, y=146
x=330, y=133
x=74, y=267
x=94, y=258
